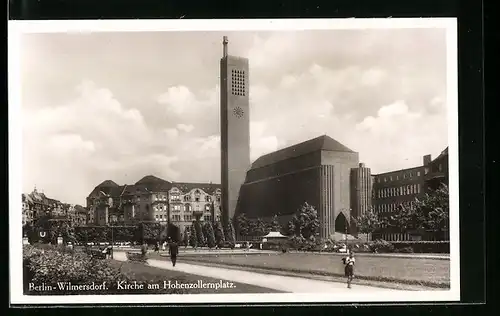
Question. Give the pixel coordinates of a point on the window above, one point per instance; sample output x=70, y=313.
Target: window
x=177, y=207
x=161, y=216
x=238, y=82
x=207, y=218
x=426, y=170
x=404, y=176
x=385, y=179
x=208, y=198
x=418, y=173
x=218, y=198
x=390, y=178
x=440, y=167
x=397, y=177
x=418, y=188
x=187, y=198
x=187, y=208
x=207, y=207
x=197, y=199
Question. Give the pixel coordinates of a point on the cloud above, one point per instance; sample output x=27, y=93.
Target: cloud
x=177, y=99
x=184, y=127
x=261, y=143
x=379, y=92
x=85, y=141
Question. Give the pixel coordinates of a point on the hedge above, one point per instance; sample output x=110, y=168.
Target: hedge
x=377, y=246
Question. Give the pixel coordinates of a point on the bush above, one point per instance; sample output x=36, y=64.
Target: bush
x=381, y=246
x=405, y=250
x=424, y=246
x=49, y=265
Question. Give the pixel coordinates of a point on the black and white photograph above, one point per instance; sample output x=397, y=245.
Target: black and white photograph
x=224, y=161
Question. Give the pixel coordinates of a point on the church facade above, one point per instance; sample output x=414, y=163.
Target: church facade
x=320, y=171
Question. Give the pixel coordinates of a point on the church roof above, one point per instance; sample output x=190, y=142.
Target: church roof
x=323, y=142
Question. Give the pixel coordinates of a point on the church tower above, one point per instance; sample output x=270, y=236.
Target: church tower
x=235, y=128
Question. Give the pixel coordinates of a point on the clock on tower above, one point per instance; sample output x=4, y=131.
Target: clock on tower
x=238, y=112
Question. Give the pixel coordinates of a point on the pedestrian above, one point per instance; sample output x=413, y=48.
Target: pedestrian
x=349, y=268
x=144, y=249
x=157, y=247
x=173, y=250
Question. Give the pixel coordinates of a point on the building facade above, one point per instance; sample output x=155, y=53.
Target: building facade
x=36, y=205
x=361, y=190
x=235, y=128
x=317, y=171
x=152, y=199
x=400, y=188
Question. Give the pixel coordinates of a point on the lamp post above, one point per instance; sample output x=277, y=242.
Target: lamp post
x=112, y=241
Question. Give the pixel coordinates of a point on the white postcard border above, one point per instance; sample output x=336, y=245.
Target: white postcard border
x=17, y=28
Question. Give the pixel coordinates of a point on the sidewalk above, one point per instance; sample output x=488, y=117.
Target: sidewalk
x=120, y=256
x=276, y=282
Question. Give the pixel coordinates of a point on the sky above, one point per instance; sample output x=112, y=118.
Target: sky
x=120, y=106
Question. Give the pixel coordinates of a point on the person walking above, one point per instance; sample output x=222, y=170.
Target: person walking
x=173, y=250
x=349, y=268
x=157, y=247
x=164, y=246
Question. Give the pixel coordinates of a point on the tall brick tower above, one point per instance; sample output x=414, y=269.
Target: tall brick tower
x=235, y=128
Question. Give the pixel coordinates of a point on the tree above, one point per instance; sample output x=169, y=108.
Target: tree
x=186, y=236
x=219, y=234
x=243, y=225
x=368, y=222
x=209, y=234
x=434, y=209
x=275, y=225
x=193, y=239
x=259, y=227
x=199, y=233
x=305, y=222
x=230, y=236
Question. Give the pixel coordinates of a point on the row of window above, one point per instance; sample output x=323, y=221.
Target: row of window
x=173, y=197
x=398, y=191
x=188, y=207
x=391, y=207
x=406, y=175
x=187, y=218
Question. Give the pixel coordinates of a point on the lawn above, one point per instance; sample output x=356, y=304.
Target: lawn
x=429, y=272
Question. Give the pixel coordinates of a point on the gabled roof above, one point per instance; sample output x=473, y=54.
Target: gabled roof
x=151, y=180
x=275, y=235
x=108, y=183
x=80, y=209
x=185, y=187
x=323, y=142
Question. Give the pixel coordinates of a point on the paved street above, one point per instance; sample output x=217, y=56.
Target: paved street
x=276, y=282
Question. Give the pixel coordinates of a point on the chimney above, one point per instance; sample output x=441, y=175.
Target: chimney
x=361, y=165
x=224, y=46
x=427, y=160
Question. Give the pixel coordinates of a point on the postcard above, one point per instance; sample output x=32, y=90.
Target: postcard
x=233, y=161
